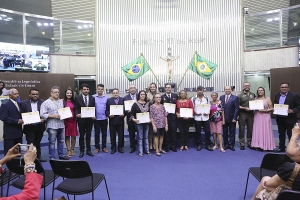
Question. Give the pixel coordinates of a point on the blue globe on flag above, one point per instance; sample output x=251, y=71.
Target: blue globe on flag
x=135, y=69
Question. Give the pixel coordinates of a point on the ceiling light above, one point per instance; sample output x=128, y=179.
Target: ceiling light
x=85, y=26
x=79, y=27
x=269, y=20
x=10, y=18
x=46, y=24
x=6, y=20
x=3, y=15
x=0, y=18
x=51, y=24
x=276, y=18
x=39, y=24
x=89, y=34
x=295, y=23
x=90, y=25
x=43, y=32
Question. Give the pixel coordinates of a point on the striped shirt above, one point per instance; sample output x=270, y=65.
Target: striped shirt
x=50, y=107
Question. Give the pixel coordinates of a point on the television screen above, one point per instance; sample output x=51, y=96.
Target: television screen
x=18, y=57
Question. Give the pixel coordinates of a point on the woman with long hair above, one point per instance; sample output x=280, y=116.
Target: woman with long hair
x=141, y=106
x=70, y=123
x=2, y=88
x=183, y=123
x=152, y=91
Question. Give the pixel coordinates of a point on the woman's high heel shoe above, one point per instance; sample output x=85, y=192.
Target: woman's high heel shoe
x=186, y=148
x=215, y=147
x=181, y=148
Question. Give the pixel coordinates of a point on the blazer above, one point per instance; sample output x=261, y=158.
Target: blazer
x=231, y=108
x=293, y=100
x=173, y=99
x=116, y=120
x=26, y=107
x=80, y=103
x=126, y=98
x=10, y=116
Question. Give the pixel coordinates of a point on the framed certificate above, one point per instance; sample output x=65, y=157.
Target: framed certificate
x=31, y=117
x=281, y=109
x=202, y=108
x=128, y=104
x=186, y=112
x=87, y=112
x=65, y=113
x=256, y=105
x=170, y=107
x=116, y=110
x=143, y=117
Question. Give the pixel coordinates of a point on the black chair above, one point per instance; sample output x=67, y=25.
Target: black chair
x=77, y=177
x=288, y=195
x=268, y=167
x=14, y=166
x=4, y=178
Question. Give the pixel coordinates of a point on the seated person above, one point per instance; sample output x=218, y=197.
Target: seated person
x=285, y=170
x=40, y=66
x=33, y=182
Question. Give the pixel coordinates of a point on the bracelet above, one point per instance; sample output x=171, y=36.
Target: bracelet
x=28, y=170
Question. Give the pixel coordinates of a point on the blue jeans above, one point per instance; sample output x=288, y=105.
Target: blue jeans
x=52, y=135
x=143, y=130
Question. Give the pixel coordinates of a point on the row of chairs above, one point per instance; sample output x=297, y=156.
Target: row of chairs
x=269, y=165
x=73, y=172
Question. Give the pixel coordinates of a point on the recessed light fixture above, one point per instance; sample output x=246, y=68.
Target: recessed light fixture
x=85, y=26
x=43, y=32
x=79, y=27
x=3, y=15
x=46, y=24
x=270, y=19
x=51, y=24
x=39, y=24
x=90, y=25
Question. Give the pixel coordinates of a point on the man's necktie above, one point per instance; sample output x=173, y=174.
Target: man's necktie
x=226, y=99
x=16, y=104
x=116, y=101
x=132, y=97
x=85, y=101
x=169, y=96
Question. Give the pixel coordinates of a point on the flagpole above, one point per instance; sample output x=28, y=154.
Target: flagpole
x=185, y=72
x=151, y=70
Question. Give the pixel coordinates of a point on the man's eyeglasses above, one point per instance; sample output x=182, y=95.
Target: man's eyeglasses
x=284, y=87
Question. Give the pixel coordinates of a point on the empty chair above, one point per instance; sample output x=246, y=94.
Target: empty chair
x=77, y=176
x=269, y=165
x=4, y=178
x=288, y=195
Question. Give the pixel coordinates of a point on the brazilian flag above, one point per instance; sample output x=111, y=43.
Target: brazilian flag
x=136, y=68
x=202, y=67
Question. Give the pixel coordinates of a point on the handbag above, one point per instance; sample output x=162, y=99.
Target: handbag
x=272, y=195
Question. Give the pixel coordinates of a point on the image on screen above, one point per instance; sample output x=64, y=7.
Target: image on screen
x=16, y=57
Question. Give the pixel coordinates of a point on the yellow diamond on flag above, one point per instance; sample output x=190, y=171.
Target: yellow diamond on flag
x=202, y=67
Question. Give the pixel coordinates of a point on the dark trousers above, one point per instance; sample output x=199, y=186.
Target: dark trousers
x=9, y=143
x=132, y=130
x=170, y=135
x=113, y=130
x=85, y=130
x=283, y=127
x=245, y=118
x=229, y=139
x=183, y=126
x=100, y=126
x=206, y=128
x=34, y=135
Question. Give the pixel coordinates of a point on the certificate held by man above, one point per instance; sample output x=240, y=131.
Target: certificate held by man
x=64, y=113
x=116, y=110
x=31, y=117
x=128, y=104
x=281, y=109
x=170, y=107
x=202, y=108
x=256, y=105
x=87, y=112
x=186, y=112
x=143, y=117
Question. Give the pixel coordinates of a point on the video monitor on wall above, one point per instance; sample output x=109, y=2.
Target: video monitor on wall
x=17, y=57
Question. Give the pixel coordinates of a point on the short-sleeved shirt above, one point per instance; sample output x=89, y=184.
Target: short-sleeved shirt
x=158, y=115
x=244, y=99
x=285, y=171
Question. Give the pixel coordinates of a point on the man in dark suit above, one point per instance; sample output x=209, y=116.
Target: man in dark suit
x=34, y=132
x=170, y=136
x=85, y=124
x=230, y=104
x=286, y=123
x=131, y=125
x=11, y=116
x=116, y=122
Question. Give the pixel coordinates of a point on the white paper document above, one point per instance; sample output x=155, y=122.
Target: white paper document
x=256, y=105
x=170, y=107
x=87, y=112
x=31, y=117
x=128, y=104
x=281, y=109
x=186, y=112
x=143, y=117
x=65, y=113
x=116, y=110
x=202, y=108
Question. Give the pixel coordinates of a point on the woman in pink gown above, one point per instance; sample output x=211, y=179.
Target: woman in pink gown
x=262, y=134
x=70, y=123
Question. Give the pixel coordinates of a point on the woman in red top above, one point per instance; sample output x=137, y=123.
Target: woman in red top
x=183, y=122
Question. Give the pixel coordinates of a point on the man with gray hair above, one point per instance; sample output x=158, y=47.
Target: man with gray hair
x=11, y=116
x=55, y=126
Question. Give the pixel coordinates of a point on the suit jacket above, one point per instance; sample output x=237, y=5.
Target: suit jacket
x=126, y=98
x=80, y=103
x=231, y=108
x=10, y=116
x=293, y=100
x=26, y=107
x=173, y=99
x=116, y=120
